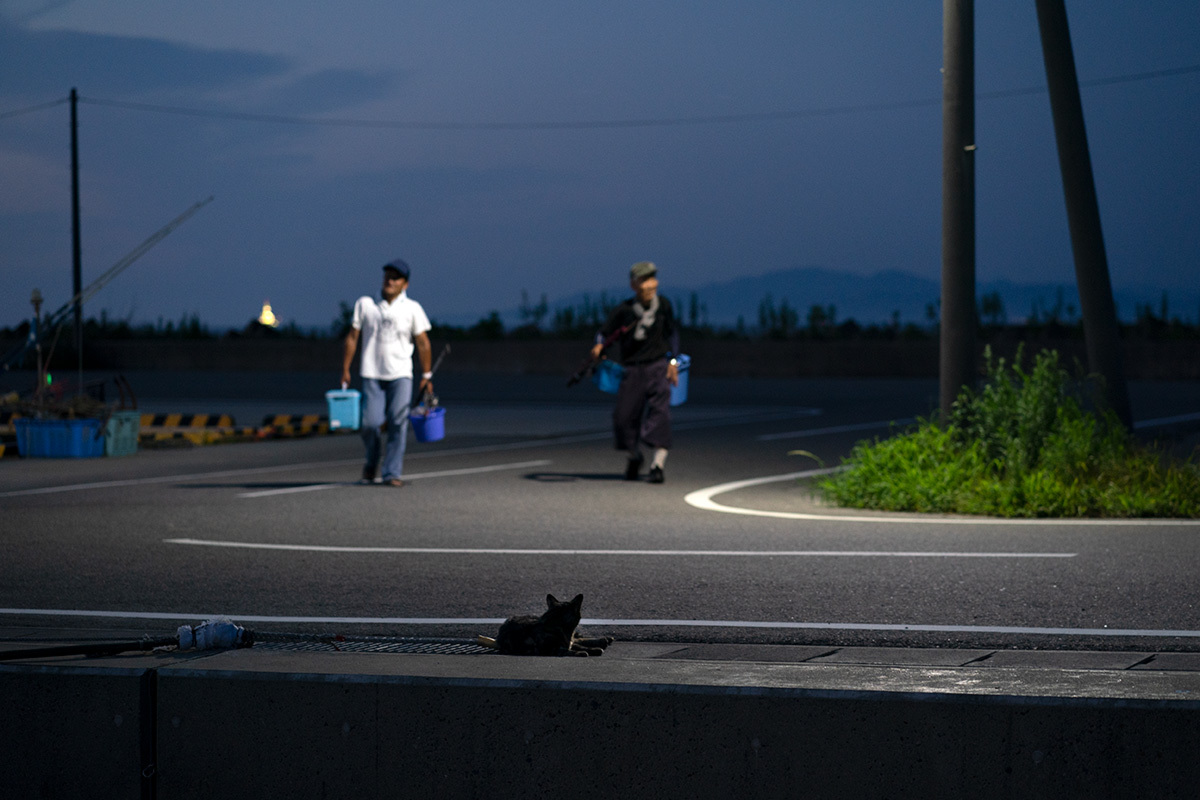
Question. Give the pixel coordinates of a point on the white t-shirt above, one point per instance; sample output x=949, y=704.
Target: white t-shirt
x=388, y=330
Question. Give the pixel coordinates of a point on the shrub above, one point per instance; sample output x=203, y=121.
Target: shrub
x=1028, y=444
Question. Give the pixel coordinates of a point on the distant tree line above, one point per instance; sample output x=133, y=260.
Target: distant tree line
x=777, y=320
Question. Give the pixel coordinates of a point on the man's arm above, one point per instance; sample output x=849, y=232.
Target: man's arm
x=425, y=356
x=349, y=346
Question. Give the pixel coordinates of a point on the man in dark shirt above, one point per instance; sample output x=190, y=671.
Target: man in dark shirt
x=647, y=345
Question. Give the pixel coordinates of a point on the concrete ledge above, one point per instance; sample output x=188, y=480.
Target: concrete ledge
x=639, y=722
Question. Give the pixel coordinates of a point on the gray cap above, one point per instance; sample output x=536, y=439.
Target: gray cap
x=642, y=270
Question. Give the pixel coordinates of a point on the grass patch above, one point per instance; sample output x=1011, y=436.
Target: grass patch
x=1025, y=445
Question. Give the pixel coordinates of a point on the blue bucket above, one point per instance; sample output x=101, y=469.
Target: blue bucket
x=429, y=426
x=607, y=376
x=344, y=409
x=679, y=390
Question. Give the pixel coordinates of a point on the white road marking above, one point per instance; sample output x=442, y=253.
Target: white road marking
x=471, y=551
x=656, y=623
x=446, y=473
x=861, y=426
x=702, y=499
x=489, y=448
x=1154, y=423
x=195, y=476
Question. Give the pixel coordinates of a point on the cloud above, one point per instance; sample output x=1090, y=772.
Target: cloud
x=329, y=90
x=41, y=63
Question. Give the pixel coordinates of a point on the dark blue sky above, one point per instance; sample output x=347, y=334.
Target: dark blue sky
x=545, y=146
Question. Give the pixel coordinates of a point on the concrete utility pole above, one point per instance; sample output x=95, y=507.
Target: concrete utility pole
x=76, y=249
x=957, y=357
x=1100, y=330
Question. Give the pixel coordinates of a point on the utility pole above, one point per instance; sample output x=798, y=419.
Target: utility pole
x=76, y=250
x=1100, y=330
x=957, y=359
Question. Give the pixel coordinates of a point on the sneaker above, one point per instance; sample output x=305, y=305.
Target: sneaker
x=656, y=475
x=368, y=475
x=632, y=468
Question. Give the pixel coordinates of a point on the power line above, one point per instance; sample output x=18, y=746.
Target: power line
x=659, y=122
x=41, y=107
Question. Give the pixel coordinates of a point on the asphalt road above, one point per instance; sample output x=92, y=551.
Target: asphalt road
x=525, y=497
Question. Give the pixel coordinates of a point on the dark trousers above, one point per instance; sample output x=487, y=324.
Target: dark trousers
x=642, y=414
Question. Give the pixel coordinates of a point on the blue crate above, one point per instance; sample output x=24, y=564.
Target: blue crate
x=59, y=438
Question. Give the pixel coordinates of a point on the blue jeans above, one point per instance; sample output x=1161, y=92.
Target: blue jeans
x=386, y=402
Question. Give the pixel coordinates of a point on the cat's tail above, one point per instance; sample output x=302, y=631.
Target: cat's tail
x=487, y=641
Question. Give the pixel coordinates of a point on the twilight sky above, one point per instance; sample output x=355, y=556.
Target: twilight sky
x=545, y=146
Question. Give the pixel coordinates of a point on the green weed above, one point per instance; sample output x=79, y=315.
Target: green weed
x=1028, y=444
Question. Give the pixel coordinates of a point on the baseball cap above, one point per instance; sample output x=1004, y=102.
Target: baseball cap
x=642, y=270
x=399, y=266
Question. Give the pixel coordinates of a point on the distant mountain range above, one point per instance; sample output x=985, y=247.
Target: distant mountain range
x=876, y=298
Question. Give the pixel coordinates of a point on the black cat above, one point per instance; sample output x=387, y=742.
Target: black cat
x=551, y=634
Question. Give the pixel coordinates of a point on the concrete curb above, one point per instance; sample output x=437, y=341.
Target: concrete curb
x=645, y=720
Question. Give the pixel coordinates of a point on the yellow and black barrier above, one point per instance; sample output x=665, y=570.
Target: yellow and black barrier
x=289, y=425
x=8, y=434
x=166, y=430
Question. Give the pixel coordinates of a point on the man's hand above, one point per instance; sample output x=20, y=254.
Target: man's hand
x=672, y=372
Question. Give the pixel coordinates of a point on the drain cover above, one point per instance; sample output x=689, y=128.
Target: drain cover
x=373, y=645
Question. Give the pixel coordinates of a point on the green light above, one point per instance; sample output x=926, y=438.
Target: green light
x=49, y=378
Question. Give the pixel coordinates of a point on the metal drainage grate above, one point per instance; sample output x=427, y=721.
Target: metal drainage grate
x=278, y=643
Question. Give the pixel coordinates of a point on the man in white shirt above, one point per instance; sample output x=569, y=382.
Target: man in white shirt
x=388, y=329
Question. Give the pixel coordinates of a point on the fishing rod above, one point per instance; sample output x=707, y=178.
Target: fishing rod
x=56, y=319
x=591, y=361
x=437, y=363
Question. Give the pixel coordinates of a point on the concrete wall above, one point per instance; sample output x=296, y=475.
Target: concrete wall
x=1176, y=359
x=561, y=728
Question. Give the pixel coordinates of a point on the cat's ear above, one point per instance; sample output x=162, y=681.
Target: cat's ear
x=577, y=602
x=551, y=601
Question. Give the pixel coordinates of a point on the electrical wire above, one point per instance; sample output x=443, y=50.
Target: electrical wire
x=653, y=122
x=40, y=107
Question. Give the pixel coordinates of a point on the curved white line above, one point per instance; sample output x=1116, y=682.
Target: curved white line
x=702, y=499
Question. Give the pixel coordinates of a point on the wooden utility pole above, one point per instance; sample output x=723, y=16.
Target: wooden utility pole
x=76, y=249
x=957, y=359
x=1101, y=332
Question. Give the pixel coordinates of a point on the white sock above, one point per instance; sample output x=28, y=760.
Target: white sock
x=660, y=458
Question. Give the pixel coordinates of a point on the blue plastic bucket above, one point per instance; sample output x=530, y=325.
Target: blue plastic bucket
x=607, y=376
x=429, y=426
x=345, y=409
x=679, y=390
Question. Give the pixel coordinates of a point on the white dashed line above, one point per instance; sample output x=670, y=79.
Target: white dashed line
x=445, y=473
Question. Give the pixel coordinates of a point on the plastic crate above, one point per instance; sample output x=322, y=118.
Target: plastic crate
x=121, y=433
x=59, y=438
